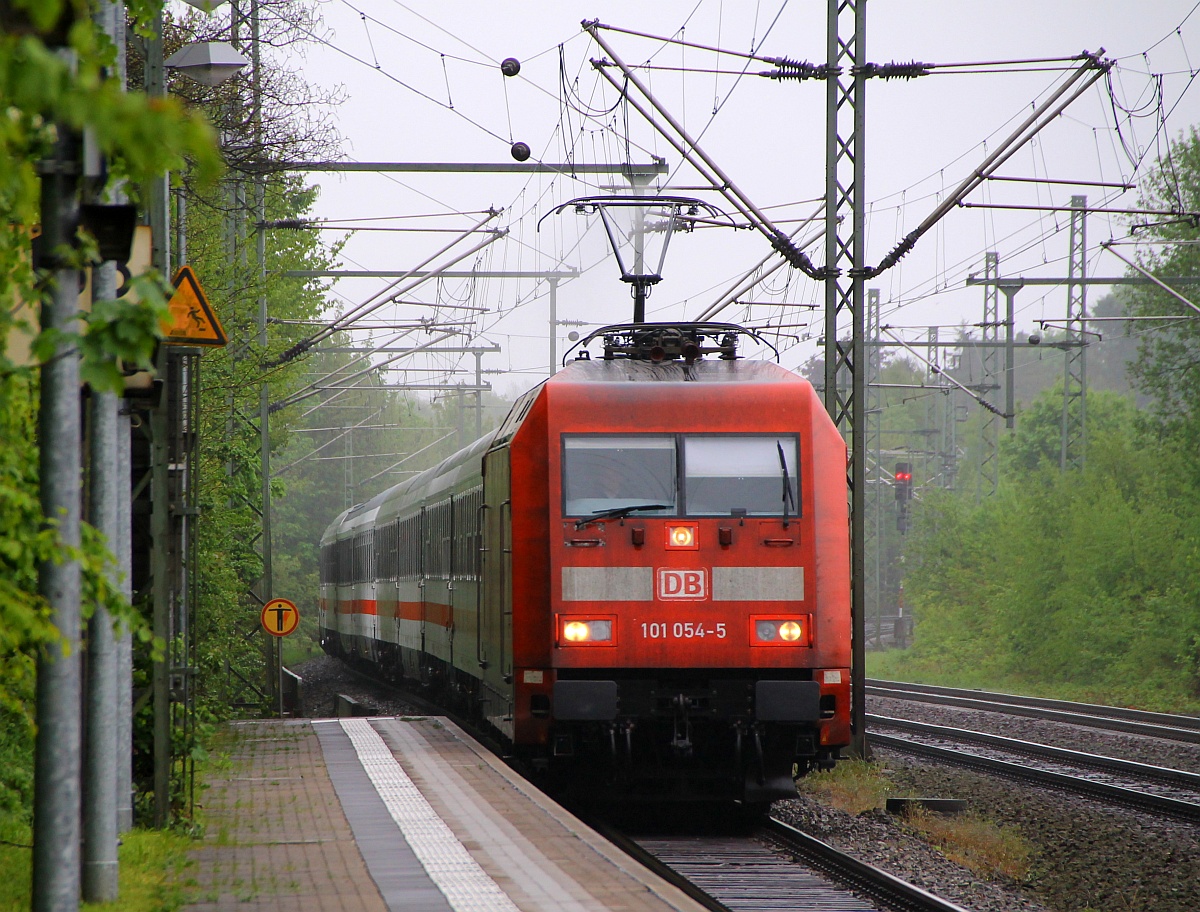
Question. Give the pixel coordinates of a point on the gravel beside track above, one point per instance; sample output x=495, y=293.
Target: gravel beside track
x=1088, y=856
x=325, y=677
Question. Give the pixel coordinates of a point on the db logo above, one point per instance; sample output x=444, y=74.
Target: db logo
x=682, y=584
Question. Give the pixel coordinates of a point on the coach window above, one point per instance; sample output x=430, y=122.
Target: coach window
x=741, y=476
x=606, y=473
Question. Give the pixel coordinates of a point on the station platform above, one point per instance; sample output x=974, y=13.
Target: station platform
x=387, y=814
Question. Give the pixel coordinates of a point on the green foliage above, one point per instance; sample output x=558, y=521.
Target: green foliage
x=1039, y=443
x=1086, y=579
x=150, y=862
x=54, y=81
x=1085, y=583
x=123, y=334
x=1167, y=366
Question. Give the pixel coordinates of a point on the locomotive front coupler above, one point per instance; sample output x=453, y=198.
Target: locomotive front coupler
x=681, y=744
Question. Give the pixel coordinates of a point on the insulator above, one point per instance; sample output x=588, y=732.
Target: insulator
x=909, y=70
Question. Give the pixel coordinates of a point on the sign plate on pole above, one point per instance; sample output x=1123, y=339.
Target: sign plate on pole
x=191, y=321
x=280, y=617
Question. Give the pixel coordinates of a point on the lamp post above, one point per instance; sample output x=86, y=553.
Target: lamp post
x=630, y=220
x=210, y=63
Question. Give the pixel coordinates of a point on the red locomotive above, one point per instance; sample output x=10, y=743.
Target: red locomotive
x=640, y=580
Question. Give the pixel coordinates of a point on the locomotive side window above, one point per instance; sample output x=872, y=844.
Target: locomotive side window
x=741, y=476
x=607, y=473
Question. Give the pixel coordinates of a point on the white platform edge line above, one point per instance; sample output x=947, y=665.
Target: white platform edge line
x=674, y=897
x=466, y=886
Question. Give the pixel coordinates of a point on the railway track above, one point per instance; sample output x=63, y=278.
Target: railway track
x=774, y=867
x=1110, y=718
x=1158, y=789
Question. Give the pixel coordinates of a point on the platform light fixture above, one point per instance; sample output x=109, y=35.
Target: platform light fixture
x=208, y=62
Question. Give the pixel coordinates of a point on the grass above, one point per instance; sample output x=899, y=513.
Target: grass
x=975, y=842
x=899, y=665
x=300, y=647
x=852, y=786
x=151, y=864
x=855, y=786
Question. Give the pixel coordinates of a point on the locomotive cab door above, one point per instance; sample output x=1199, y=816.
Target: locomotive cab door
x=495, y=609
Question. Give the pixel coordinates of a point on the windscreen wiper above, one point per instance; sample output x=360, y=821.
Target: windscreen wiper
x=619, y=513
x=787, y=483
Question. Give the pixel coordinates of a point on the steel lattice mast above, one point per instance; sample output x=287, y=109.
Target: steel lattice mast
x=1074, y=415
x=845, y=367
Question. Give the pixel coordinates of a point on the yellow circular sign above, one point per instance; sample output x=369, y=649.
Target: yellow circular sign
x=280, y=617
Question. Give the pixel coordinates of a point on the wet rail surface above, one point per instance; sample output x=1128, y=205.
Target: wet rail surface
x=1110, y=718
x=1158, y=789
x=771, y=866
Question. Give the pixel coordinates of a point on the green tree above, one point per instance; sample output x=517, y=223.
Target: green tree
x=53, y=78
x=1038, y=440
x=1167, y=368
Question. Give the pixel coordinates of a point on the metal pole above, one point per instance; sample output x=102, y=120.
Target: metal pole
x=832, y=210
x=874, y=421
x=1074, y=412
x=461, y=419
x=1009, y=355
x=100, y=760
x=858, y=450
x=274, y=650
x=160, y=497
x=479, y=392
x=124, y=551
x=101, y=744
x=989, y=457
x=844, y=293
x=553, y=328
x=56, y=809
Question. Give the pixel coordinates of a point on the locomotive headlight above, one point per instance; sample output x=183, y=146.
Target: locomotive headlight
x=576, y=632
x=682, y=537
x=586, y=631
x=781, y=631
x=790, y=631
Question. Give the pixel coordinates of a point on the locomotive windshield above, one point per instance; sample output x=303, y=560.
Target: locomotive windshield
x=717, y=475
x=606, y=473
x=740, y=476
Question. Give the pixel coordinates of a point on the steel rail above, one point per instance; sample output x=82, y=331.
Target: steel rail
x=649, y=860
x=1163, y=725
x=878, y=884
x=1046, y=751
x=1061, y=781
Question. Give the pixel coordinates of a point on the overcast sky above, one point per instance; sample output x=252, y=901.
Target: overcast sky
x=421, y=83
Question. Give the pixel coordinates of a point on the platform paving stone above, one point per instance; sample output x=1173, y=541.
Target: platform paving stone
x=275, y=835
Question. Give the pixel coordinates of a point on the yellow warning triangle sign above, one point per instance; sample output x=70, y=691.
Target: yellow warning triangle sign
x=191, y=321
